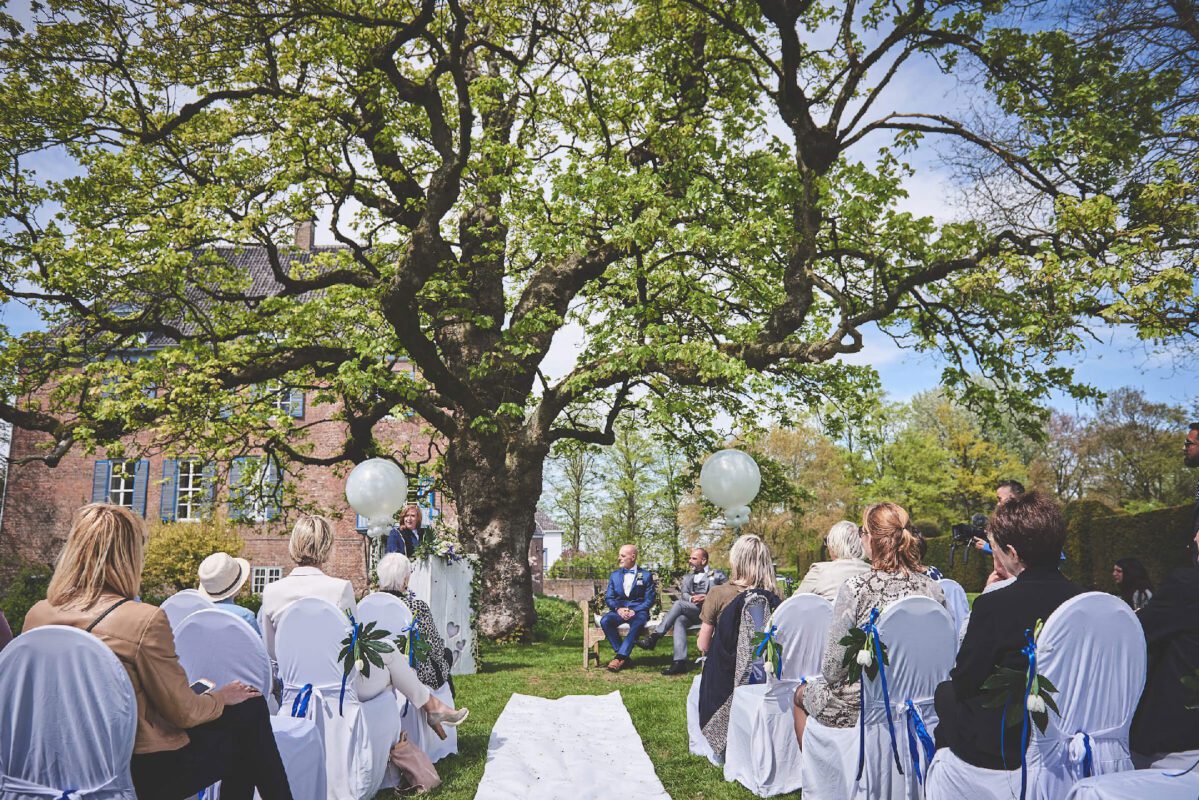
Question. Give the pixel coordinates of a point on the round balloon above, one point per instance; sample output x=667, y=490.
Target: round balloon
x=377, y=488
x=730, y=478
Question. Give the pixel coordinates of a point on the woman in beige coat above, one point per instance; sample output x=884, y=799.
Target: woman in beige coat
x=825, y=578
x=185, y=741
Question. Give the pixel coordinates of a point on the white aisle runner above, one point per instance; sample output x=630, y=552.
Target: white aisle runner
x=575, y=748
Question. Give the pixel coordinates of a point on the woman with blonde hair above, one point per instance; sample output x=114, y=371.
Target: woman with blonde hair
x=825, y=578
x=724, y=636
x=311, y=546
x=185, y=741
x=893, y=548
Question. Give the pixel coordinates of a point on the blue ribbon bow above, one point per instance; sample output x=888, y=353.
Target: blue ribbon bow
x=413, y=638
x=767, y=638
x=354, y=627
x=299, y=706
x=1088, y=758
x=871, y=630
x=66, y=794
x=917, y=731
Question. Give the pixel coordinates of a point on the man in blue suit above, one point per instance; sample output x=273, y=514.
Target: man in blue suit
x=630, y=595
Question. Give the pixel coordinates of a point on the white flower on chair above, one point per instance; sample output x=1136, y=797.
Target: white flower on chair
x=865, y=657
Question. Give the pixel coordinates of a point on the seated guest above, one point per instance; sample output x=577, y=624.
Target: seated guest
x=685, y=611
x=221, y=578
x=844, y=545
x=630, y=596
x=405, y=538
x=895, y=572
x=394, y=570
x=1132, y=580
x=1163, y=723
x=1026, y=533
x=185, y=741
x=720, y=633
x=310, y=547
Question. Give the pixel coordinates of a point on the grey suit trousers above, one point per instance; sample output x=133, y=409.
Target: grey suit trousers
x=681, y=615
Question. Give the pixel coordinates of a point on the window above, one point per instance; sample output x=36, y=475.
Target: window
x=286, y=401
x=255, y=489
x=192, y=498
x=261, y=576
x=122, y=482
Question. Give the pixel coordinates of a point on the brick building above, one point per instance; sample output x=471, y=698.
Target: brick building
x=39, y=501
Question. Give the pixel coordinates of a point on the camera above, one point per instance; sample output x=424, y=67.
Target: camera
x=964, y=534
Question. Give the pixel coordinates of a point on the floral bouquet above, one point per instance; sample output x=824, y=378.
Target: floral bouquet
x=1017, y=689
x=363, y=646
x=443, y=543
x=860, y=654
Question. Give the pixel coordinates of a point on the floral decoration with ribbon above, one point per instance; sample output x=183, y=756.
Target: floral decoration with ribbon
x=917, y=732
x=364, y=646
x=865, y=657
x=767, y=644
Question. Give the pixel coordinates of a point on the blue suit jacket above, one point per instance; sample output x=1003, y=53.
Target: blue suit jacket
x=641, y=596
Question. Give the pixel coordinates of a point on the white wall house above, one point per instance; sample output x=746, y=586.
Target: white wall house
x=550, y=534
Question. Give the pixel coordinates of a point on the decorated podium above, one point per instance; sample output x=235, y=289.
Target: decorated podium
x=444, y=582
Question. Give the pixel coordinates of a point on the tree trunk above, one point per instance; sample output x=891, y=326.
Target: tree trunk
x=496, y=496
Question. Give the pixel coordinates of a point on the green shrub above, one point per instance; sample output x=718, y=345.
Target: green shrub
x=583, y=565
x=556, y=619
x=175, y=550
x=28, y=587
x=1100, y=536
x=928, y=529
x=250, y=601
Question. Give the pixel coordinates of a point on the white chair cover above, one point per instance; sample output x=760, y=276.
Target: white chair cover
x=958, y=603
x=1142, y=783
x=763, y=754
x=696, y=742
x=921, y=644
x=216, y=645
x=390, y=613
x=1093, y=650
x=357, y=740
x=181, y=605
x=67, y=718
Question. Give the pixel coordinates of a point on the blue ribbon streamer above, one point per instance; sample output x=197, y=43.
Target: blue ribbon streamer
x=299, y=706
x=413, y=638
x=767, y=638
x=1180, y=774
x=917, y=731
x=1088, y=759
x=66, y=794
x=871, y=630
x=1030, y=650
x=346, y=675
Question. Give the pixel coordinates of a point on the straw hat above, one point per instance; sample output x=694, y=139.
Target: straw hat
x=222, y=575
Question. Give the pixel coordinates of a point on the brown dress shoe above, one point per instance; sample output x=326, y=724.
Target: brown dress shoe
x=616, y=664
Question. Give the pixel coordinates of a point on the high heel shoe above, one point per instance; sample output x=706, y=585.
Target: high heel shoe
x=437, y=720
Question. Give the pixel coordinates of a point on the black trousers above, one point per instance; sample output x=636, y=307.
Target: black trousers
x=237, y=748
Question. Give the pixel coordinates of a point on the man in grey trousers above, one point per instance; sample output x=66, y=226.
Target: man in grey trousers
x=685, y=611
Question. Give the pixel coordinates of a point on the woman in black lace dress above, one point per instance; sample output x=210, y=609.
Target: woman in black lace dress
x=394, y=570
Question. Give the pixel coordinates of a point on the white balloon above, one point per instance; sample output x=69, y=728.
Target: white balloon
x=737, y=517
x=730, y=478
x=377, y=489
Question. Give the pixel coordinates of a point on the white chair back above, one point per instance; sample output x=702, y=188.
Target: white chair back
x=921, y=643
x=386, y=611
x=306, y=647
x=181, y=605
x=68, y=717
x=959, y=604
x=221, y=647
x=1092, y=649
x=803, y=621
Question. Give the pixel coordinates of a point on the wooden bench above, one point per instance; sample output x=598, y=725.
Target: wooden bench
x=593, y=634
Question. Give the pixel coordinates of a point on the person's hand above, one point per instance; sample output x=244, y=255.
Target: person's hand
x=236, y=692
x=698, y=598
x=979, y=544
x=625, y=613
x=995, y=577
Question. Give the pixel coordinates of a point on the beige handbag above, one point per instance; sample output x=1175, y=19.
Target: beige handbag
x=417, y=773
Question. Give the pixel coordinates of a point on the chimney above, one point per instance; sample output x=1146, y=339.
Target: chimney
x=305, y=233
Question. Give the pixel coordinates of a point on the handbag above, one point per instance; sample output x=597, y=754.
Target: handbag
x=417, y=773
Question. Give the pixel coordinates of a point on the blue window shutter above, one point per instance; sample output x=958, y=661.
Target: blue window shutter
x=209, y=488
x=360, y=523
x=170, y=490
x=101, y=478
x=295, y=402
x=235, y=490
x=273, y=489
x=141, y=481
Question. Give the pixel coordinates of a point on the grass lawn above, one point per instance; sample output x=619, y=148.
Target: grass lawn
x=553, y=669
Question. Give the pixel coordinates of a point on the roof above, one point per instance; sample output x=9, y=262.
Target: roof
x=542, y=524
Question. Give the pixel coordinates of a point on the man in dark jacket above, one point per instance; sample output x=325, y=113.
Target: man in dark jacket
x=1163, y=723
x=1027, y=533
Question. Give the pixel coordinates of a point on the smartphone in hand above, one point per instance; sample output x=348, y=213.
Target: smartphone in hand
x=201, y=686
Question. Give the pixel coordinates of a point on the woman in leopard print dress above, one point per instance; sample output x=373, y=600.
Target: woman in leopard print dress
x=896, y=572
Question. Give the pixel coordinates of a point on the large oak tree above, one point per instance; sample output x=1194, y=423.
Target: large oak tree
x=705, y=192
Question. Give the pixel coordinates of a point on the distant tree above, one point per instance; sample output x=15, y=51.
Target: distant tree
x=629, y=485
x=1064, y=461
x=572, y=481
x=1133, y=445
